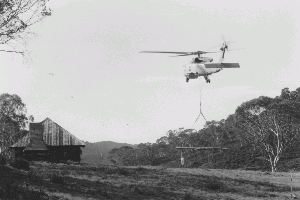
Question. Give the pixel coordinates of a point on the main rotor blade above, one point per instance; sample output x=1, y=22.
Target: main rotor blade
x=175, y=52
x=182, y=53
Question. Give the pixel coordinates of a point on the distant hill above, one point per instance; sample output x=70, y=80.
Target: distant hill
x=96, y=153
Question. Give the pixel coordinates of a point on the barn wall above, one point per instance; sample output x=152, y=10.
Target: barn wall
x=55, y=154
x=30, y=154
x=18, y=152
x=64, y=153
x=36, y=155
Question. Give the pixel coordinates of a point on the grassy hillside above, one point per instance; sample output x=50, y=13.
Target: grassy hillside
x=96, y=153
x=60, y=181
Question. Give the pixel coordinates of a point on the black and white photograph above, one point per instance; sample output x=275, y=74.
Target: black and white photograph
x=153, y=99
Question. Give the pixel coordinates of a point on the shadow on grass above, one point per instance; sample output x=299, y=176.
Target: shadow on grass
x=118, y=190
x=12, y=186
x=269, y=187
x=228, y=185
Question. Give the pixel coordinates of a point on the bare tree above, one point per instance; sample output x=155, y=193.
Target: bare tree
x=16, y=18
x=268, y=130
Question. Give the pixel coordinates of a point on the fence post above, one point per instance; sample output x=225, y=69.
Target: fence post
x=292, y=195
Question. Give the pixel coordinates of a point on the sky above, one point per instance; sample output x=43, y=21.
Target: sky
x=87, y=75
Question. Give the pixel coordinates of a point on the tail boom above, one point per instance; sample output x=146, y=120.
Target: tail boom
x=222, y=65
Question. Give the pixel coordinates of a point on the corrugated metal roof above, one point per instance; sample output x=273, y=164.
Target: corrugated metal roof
x=55, y=135
x=47, y=132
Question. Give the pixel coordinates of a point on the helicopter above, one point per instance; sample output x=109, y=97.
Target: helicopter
x=203, y=66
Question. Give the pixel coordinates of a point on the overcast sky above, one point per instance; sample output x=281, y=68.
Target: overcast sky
x=86, y=73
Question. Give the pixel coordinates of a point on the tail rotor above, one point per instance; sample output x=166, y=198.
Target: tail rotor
x=225, y=47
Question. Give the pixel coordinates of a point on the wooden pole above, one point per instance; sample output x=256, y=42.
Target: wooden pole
x=292, y=195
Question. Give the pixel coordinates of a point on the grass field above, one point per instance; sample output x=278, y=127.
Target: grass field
x=61, y=181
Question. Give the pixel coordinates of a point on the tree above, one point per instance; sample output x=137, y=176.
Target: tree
x=12, y=120
x=124, y=155
x=16, y=17
x=267, y=128
x=112, y=155
x=216, y=131
x=162, y=140
x=288, y=102
x=233, y=134
x=285, y=93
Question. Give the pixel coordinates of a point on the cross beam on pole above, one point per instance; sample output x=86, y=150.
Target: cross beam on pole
x=202, y=148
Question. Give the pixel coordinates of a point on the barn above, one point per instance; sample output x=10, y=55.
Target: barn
x=50, y=142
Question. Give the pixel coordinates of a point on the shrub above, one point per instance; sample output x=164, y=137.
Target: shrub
x=187, y=196
x=123, y=172
x=208, y=166
x=214, y=184
x=35, y=175
x=2, y=160
x=54, y=178
x=10, y=189
x=20, y=163
x=69, y=162
x=31, y=174
x=140, y=169
x=65, y=172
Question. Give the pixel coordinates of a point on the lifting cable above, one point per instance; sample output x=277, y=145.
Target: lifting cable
x=200, y=111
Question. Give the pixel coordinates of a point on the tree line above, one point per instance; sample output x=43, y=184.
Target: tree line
x=269, y=126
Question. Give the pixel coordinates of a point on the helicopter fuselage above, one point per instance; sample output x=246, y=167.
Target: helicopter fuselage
x=194, y=70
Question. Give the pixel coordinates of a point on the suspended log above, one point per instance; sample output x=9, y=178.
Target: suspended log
x=202, y=148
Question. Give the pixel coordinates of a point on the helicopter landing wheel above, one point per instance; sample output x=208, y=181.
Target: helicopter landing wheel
x=208, y=80
x=187, y=79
